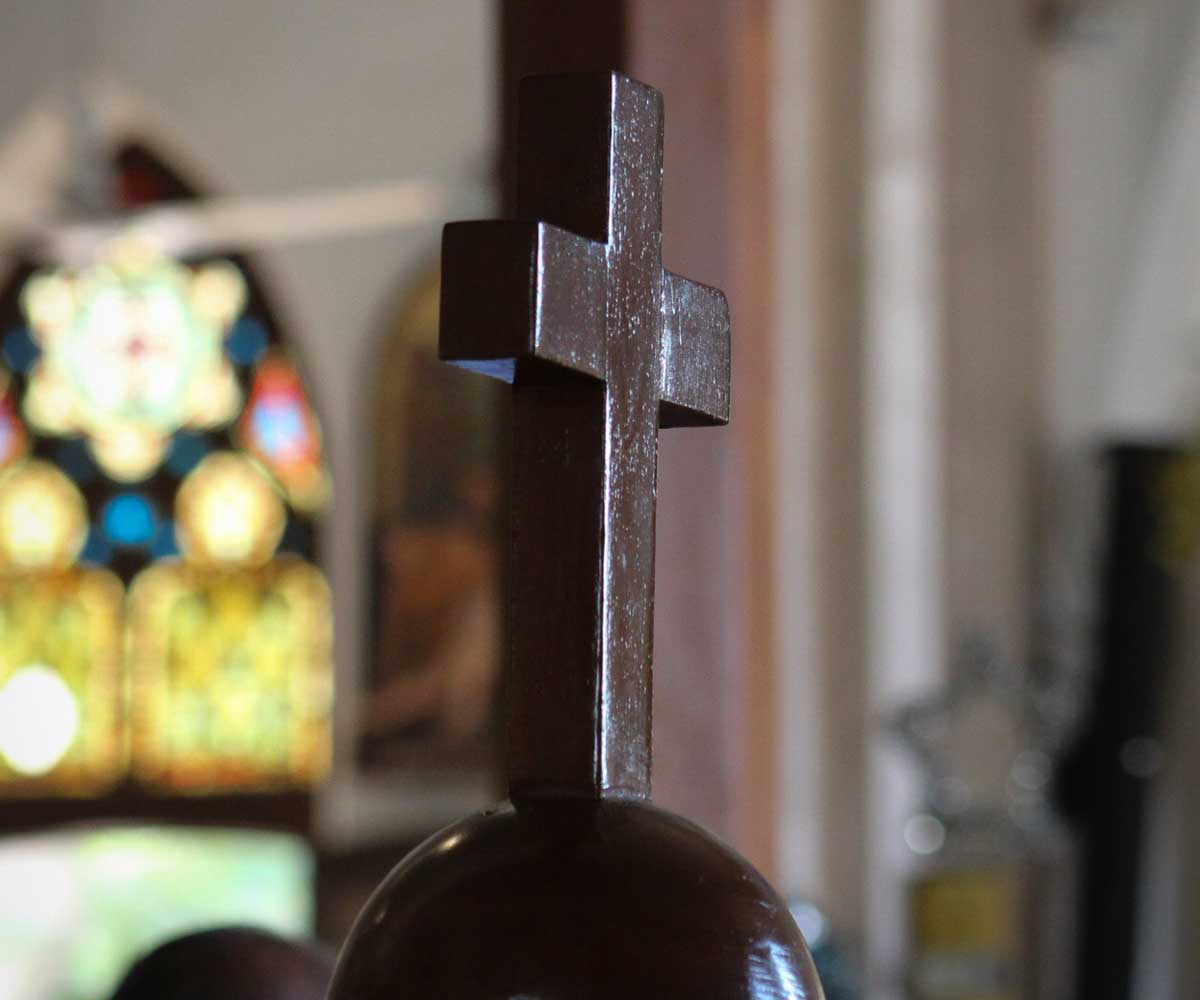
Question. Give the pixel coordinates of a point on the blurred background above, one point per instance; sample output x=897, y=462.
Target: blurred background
x=925, y=610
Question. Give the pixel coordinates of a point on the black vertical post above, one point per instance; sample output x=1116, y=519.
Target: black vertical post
x=1103, y=785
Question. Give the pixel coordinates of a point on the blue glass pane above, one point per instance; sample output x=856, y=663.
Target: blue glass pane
x=96, y=550
x=279, y=427
x=74, y=459
x=165, y=544
x=20, y=351
x=186, y=451
x=246, y=341
x=10, y=435
x=129, y=520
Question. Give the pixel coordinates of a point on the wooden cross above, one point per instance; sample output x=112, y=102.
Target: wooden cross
x=603, y=346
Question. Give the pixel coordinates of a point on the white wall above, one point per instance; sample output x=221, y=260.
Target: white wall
x=954, y=336
x=1120, y=160
x=816, y=157
x=1107, y=94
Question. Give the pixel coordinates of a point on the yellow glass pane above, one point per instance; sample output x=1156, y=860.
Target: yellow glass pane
x=43, y=519
x=966, y=924
x=61, y=644
x=232, y=676
x=228, y=513
x=231, y=647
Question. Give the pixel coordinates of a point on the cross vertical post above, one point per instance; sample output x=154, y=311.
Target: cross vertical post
x=570, y=303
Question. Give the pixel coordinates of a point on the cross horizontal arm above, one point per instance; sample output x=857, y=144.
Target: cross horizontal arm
x=695, y=354
x=522, y=300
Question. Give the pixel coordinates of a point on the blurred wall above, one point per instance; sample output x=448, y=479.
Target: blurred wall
x=1108, y=91
x=909, y=333
x=817, y=153
x=1120, y=150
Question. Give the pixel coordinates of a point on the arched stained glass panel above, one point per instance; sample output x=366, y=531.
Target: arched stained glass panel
x=160, y=470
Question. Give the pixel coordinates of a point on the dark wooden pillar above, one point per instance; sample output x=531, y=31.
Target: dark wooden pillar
x=714, y=659
x=545, y=36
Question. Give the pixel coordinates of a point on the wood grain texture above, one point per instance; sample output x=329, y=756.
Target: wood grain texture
x=715, y=723
x=575, y=900
x=572, y=305
x=715, y=687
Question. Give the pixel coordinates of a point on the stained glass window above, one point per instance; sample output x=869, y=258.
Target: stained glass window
x=161, y=614
x=131, y=350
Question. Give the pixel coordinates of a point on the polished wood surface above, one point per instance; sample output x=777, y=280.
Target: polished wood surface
x=718, y=672
x=571, y=304
x=575, y=900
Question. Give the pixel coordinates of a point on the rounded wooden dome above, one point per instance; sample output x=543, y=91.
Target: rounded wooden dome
x=575, y=900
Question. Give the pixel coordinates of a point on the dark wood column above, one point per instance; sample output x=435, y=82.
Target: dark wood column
x=544, y=36
x=714, y=659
